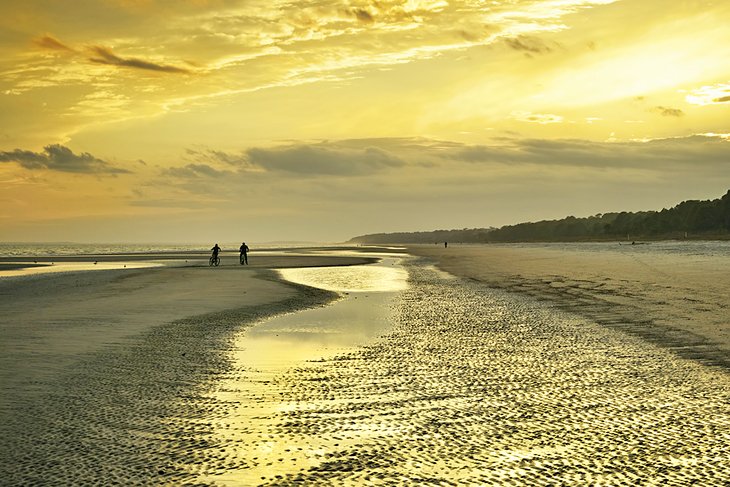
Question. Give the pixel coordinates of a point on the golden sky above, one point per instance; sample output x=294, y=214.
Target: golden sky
x=261, y=120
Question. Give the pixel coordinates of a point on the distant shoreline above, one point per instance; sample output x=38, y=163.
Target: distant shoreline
x=637, y=238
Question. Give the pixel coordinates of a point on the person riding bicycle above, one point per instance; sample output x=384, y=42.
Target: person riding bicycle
x=215, y=250
x=244, y=253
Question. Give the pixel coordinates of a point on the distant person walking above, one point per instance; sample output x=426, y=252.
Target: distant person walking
x=244, y=253
x=446, y=244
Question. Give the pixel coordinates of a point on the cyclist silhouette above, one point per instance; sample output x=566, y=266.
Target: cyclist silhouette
x=244, y=253
x=214, y=260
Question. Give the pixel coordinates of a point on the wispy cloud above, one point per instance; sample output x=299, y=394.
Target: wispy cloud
x=541, y=118
x=668, y=111
x=530, y=45
x=195, y=171
x=323, y=160
x=103, y=55
x=57, y=157
x=709, y=151
x=50, y=42
x=710, y=94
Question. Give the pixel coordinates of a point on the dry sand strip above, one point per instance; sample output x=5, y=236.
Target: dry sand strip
x=99, y=370
x=679, y=302
x=477, y=386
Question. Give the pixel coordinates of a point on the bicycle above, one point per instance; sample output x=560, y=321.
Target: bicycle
x=243, y=259
x=214, y=261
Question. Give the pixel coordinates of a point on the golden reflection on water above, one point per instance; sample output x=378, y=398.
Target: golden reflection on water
x=382, y=277
x=76, y=267
x=264, y=353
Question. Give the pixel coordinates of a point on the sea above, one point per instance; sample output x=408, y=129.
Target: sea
x=33, y=249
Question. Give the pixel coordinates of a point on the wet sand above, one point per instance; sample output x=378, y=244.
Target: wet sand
x=473, y=385
x=676, y=301
x=94, y=364
x=456, y=382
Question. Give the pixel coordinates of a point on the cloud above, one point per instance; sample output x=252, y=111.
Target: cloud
x=669, y=111
x=196, y=171
x=57, y=157
x=530, y=45
x=106, y=56
x=49, y=42
x=710, y=95
x=541, y=118
x=363, y=15
x=678, y=154
x=375, y=156
x=323, y=159
x=216, y=157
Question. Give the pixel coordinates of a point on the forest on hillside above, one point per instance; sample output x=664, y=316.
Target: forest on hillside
x=689, y=219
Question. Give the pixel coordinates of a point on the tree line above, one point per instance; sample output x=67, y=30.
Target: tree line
x=688, y=219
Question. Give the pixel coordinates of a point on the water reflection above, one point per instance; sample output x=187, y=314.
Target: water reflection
x=265, y=352
x=315, y=333
x=382, y=277
x=19, y=269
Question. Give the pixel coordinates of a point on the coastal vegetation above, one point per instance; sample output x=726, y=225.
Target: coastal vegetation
x=708, y=219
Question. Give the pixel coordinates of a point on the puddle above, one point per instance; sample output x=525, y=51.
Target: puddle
x=362, y=315
x=384, y=276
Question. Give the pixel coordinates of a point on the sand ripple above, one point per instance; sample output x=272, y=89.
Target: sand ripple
x=472, y=386
x=479, y=387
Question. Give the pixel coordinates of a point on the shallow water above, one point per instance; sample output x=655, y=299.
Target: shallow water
x=35, y=269
x=278, y=345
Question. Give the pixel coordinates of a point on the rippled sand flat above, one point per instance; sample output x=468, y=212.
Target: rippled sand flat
x=668, y=293
x=474, y=386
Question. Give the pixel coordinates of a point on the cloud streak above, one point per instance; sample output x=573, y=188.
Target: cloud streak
x=103, y=55
x=57, y=157
x=710, y=152
x=323, y=160
x=668, y=111
x=402, y=156
x=50, y=42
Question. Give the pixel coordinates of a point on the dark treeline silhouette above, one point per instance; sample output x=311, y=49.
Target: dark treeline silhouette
x=473, y=235
x=689, y=219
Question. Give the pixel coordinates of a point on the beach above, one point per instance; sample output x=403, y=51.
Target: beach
x=672, y=294
x=466, y=365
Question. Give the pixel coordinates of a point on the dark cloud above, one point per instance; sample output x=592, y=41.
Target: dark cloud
x=529, y=45
x=323, y=159
x=106, y=56
x=215, y=156
x=722, y=99
x=687, y=153
x=363, y=15
x=59, y=158
x=48, y=42
x=669, y=111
